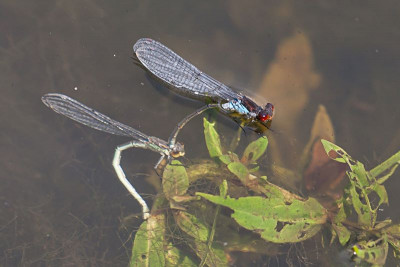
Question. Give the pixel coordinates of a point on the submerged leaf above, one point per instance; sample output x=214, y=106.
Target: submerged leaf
x=192, y=226
x=213, y=141
x=176, y=257
x=275, y=219
x=212, y=255
x=322, y=126
x=148, y=247
x=293, y=65
x=175, y=180
x=323, y=176
x=322, y=129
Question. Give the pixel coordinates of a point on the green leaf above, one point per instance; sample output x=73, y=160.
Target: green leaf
x=226, y=159
x=362, y=183
x=148, y=246
x=380, y=190
x=239, y=170
x=342, y=232
x=373, y=252
x=175, y=180
x=365, y=216
x=357, y=167
x=328, y=146
x=223, y=188
x=255, y=169
x=275, y=219
x=229, y=157
x=363, y=178
x=255, y=150
x=213, y=141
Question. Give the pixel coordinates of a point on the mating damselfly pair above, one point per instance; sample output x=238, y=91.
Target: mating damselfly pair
x=183, y=78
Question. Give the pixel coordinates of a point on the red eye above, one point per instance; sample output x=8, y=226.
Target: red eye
x=267, y=113
x=268, y=118
x=263, y=116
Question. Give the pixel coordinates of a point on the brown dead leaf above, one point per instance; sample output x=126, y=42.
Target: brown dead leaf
x=324, y=177
x=289, y=80
x=322, y=129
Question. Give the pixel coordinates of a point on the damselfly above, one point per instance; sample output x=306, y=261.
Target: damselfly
x=75, y=110
x=187, y=80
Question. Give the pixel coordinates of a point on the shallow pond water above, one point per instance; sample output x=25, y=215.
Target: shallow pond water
x=61, y=201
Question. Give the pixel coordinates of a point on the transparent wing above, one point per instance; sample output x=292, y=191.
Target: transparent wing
x=177, y=72
x=77, y=111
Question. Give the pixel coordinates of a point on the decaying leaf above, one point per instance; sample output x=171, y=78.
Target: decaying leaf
x=373, y=252
x=254, y=150
x=275, y=219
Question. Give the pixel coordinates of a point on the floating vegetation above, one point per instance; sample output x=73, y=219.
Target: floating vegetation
x=211, y=210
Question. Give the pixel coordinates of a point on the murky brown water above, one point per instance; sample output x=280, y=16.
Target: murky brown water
x=61, y=202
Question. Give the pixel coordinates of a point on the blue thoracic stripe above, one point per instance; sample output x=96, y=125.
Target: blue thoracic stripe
x=236, y=106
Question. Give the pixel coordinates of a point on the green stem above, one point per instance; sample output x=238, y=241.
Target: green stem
x=378, y=170
x=236, y=139
x=211, y=237
x=223, y=193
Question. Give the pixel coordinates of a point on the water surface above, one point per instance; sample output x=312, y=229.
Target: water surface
x=61, y=201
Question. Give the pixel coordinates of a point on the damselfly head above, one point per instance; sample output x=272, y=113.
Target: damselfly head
x=178, y=150
x=267, y=113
